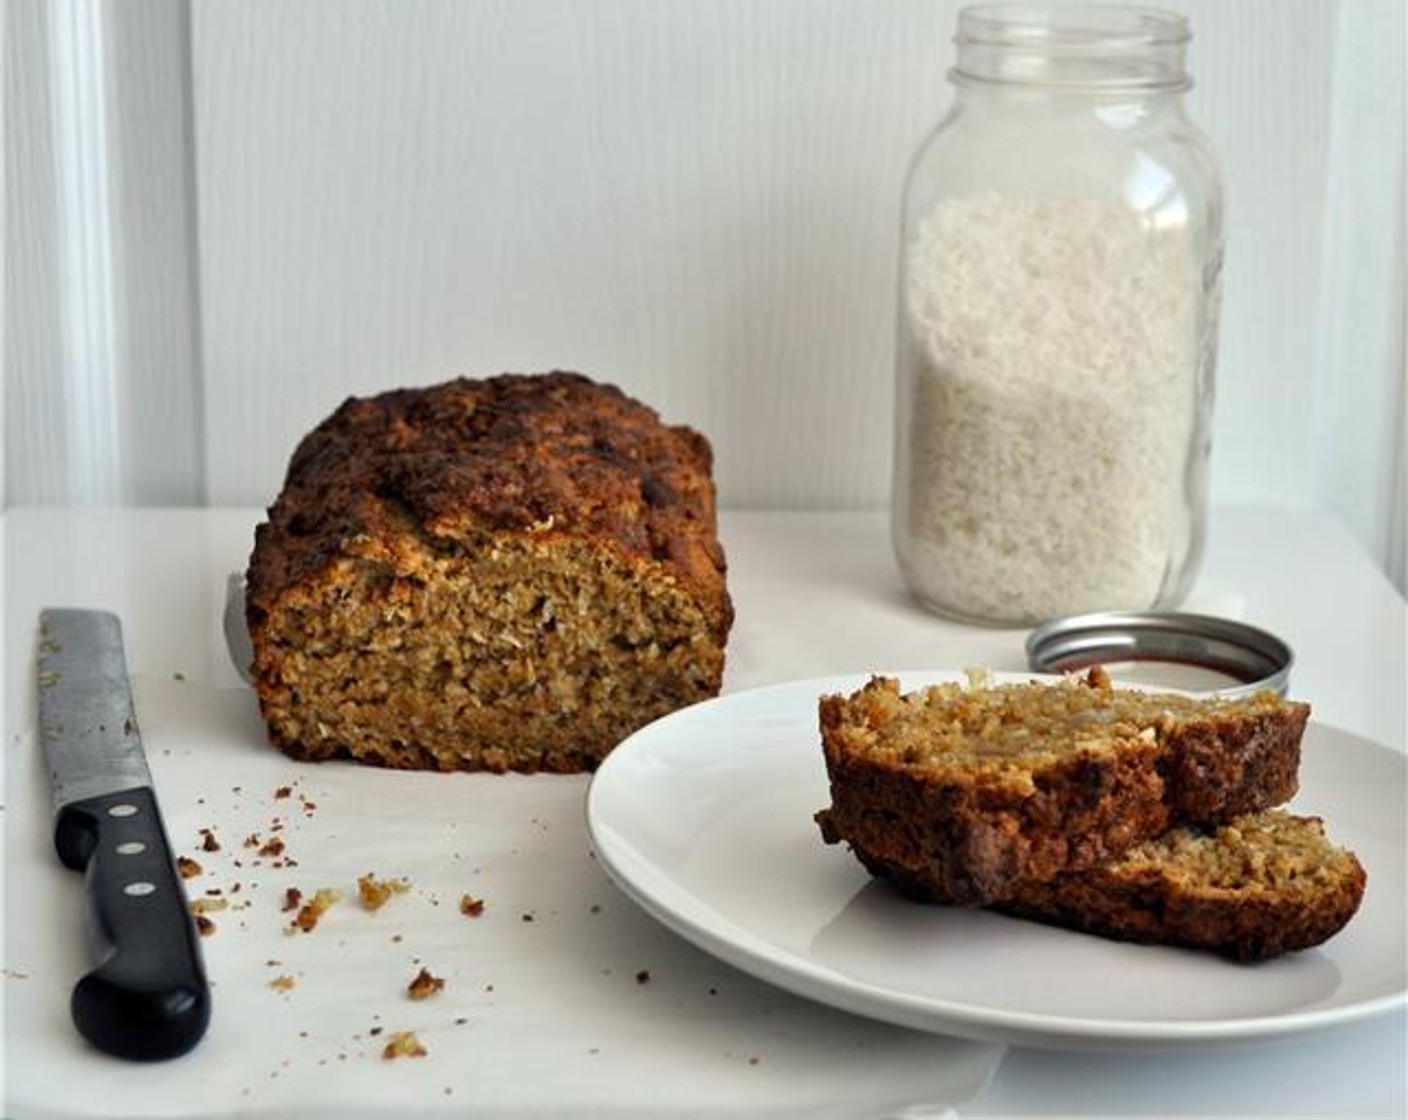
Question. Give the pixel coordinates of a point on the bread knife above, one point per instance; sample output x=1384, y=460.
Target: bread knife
x=146, y=997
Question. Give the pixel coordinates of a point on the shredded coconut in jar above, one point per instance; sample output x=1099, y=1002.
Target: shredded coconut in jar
x=1053, y=404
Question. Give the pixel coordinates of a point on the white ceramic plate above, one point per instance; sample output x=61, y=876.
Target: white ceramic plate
x=705, y=819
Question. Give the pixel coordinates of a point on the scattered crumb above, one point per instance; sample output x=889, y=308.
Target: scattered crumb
x=308, y=915
x=424, y=985
x=375, y=1031
x=188, y=867
x=178, y=675
x=375, y=893
x=282, y=792
x=253, y=840
x=208, y=905
x=293, y=897
x=274, y=847
x=643, y=976
x=283, y=983
x=527, y=917
x=403, y=1044
x=470, y=906
x=208, y=843
x=204, y=926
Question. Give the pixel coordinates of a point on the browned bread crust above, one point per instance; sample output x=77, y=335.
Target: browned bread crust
x=510, y=573
x=1262, y=885
x=960, y=794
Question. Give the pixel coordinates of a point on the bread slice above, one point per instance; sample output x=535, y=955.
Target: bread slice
x=959, y=793
x=503, y=574
x=1254, y=888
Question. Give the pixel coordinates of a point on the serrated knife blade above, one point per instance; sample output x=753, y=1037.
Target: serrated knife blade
x=147, y=997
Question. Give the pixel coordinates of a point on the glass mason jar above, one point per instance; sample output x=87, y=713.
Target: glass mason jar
x=1059, y=291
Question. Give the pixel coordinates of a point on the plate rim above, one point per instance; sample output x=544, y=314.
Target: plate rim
x=746, y=950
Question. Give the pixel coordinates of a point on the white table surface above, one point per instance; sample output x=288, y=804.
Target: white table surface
x=816, y=594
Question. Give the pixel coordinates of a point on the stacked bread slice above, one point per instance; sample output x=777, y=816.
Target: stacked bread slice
x=1141, y=816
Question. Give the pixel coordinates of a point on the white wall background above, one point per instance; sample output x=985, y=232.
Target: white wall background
x=697, y=200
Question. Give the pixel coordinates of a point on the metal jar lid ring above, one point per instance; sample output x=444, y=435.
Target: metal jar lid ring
x=1259, y=660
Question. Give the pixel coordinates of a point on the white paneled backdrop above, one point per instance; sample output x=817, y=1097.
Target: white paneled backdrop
x=223, y=217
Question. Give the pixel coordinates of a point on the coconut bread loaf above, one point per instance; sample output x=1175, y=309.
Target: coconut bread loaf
x=502, y=574
x=1251, y=889
x=961, y=794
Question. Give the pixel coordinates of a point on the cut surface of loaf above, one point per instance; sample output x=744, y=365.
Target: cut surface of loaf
x=502, y=574
x=960, y=793
x=1254, y=888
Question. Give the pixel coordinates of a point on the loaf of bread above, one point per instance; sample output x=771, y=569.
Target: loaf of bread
x=960, y=794
x=502, y=574
x=1254, y=888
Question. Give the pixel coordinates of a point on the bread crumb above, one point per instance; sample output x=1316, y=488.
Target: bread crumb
x=375, y=893
x=643, y=976
x=282, y=792
x=424, y=985
x=207, y=905
x=292, y=898
x=188, y=867
x=470, y=906
x=283, y=983
x=208, y=843
x=310, y=912
x=403, y=1044
x=204, y=926
x=274, y=847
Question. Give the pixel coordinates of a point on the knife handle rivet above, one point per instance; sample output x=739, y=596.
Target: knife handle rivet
x=131, y=848
x=123, y=810
x=136, y=890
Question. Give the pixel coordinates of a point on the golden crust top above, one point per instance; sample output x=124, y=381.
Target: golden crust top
x=553, y=453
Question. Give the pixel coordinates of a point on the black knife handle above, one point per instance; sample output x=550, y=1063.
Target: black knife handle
x=147, y=998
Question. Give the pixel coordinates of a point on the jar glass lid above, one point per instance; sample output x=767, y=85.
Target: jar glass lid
x=1194, y=652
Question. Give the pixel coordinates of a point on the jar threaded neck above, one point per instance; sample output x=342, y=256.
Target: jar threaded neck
x=1097, y=47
